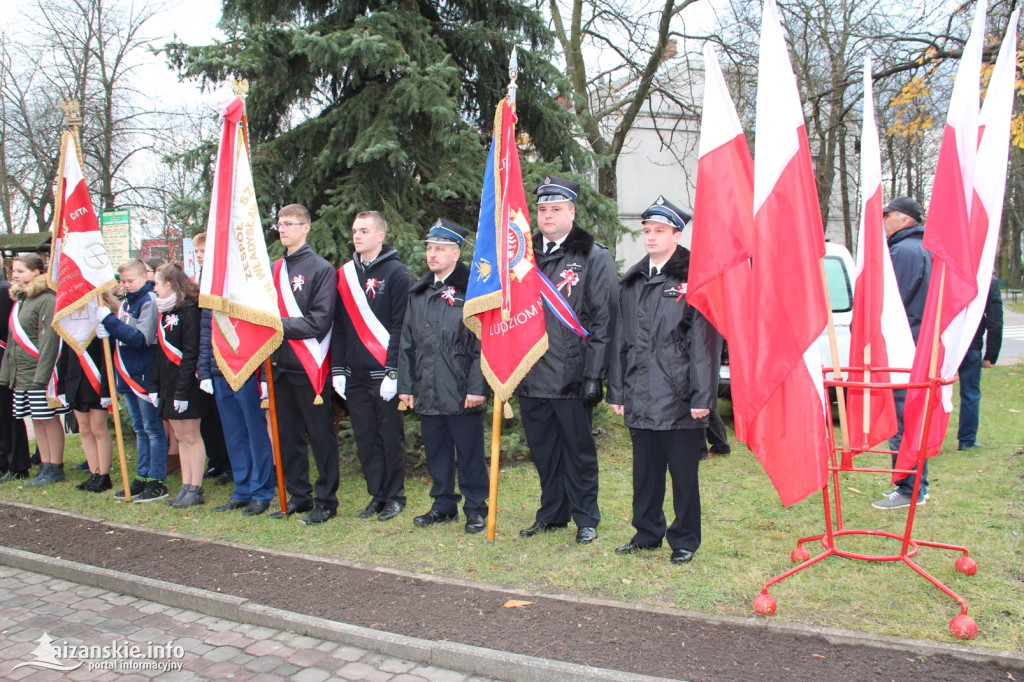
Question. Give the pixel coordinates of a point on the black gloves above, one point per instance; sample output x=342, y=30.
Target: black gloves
x=593, y=391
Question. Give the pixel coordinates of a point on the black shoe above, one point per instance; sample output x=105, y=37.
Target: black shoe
x=585, y=535
x=541, y=527
x=13, y=476
x=432, y=517
x=392, y=508
x=681, y=556
x=475, y=523
x=255, y=508
x=153, y=490
x=231, y=504
x=224, y=478
x=293, y=509
x=102, y=484
x=213, y=472
x=968, y=446
x=320, y=514
x=87, y=483
x=372, y=509
x=137, y=486
x=720, y=450
x=632, y=547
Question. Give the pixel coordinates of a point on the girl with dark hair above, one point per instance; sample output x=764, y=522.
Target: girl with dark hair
x=173, y=384
x=29, y=361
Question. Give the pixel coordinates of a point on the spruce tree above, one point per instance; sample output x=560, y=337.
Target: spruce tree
x=358, y=105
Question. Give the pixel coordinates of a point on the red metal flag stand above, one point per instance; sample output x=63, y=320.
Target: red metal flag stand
x=962, y=625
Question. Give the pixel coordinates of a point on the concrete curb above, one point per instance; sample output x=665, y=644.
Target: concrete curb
x=1007, y=659
x=450, y=655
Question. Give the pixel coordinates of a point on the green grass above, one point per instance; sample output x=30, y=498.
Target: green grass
x=976, y=500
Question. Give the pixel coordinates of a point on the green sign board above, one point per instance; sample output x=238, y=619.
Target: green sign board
x=117, y=235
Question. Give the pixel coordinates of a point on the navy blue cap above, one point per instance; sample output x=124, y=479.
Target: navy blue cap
x=554, y=188
x=446, y=232
x=906, y=206
x=664, y=211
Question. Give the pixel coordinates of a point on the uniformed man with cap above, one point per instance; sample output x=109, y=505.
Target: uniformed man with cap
x=555, y=396
x=439, y=376
x=664, y=380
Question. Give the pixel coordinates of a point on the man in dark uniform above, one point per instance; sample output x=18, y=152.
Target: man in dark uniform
x=991, y=325
x=439, y=376
x=557, y=393
x=664, y=380
x=14, y=457
x=306, y=284
x=373, y=291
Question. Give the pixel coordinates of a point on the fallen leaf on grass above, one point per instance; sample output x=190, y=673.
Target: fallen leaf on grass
x=1014, y=411
x=854, y=490
x=627, y=580
x=516, y=603
x=817, y=655
x=981, y=471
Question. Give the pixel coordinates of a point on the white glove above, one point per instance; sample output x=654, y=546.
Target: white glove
x=180, y=406
x=264, y=392
x=155, y=399
x=206, y=386
x=339, y=385
x=101, y=331
x=105, y=403
x=388, y=388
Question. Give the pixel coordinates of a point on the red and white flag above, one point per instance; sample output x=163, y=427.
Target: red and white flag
x=880, y=334
x=723, y=225
x=237, y=282
x=79, y=267
x=788, y=311
x=969, y=183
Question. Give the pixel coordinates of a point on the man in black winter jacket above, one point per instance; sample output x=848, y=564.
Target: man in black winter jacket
x=566, y=382
x=372, y=292
x=439, y=376
x=970, y=368
x=306, y=285
x=664, y=380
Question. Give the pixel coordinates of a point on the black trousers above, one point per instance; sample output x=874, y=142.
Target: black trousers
x=212, y=432
x=380, y=440
x=715, y=434
x=294, y=397
x=451, y=440
x=653, y=451
x=13, y=436
x=563, y=449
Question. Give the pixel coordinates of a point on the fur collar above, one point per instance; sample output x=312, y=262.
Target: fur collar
x=459, y=278
x=34, y=288
x=578, y=239
x=677, y=266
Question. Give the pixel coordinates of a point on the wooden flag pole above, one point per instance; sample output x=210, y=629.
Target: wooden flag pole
x=492, y=499
x=275, y=437
x=116, y=407
x=836, y=368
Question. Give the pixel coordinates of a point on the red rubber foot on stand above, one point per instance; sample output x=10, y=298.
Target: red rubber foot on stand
x=964, y=627
x=799, y=555
x=966, y=565
x=764, y=605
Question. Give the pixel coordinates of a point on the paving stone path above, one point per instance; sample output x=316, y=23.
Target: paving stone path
x=47, y=622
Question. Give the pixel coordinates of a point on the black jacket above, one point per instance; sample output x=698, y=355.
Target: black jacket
x=439, y=360
x=991, y=324
x=172, y=381
x=388, y=298
x=314, y=294
x=77, y=388
x=570, y=359
x=667, y=354
x=912, y=265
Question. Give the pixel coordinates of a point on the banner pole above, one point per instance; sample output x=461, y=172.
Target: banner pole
x=492, y=499
x=116, y=409
x=275, y=438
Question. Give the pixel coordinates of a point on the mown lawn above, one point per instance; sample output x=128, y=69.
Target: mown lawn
x=976, y=500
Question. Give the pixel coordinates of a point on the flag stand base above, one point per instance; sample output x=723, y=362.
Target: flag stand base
x=962, y=625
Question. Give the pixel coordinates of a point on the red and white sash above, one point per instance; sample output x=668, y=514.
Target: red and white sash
x=137, y=389
x=173, y=354
x=372, y=334
x=314, y=355
x=23, y=340
x=91, y=371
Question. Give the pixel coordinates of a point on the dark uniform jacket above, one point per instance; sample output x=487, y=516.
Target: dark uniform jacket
x=171, y=381
x=912, y=265
x=439, y=361
x=388, y=298
x=991, y=324
x=315, y=299
x=667, y=354
x=570, y=359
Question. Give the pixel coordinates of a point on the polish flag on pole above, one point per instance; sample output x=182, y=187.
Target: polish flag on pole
x=960, y=279
x=237, y=281
x=79, y=267
x=788, y=310
x=880, y=333
x=723, y=227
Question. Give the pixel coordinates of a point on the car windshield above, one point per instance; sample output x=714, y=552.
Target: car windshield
x=839, y=289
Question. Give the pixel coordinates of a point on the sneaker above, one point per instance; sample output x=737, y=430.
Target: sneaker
x=135, y=488
x=897, y=500
x=84, y=466
x=88, y=483
x=154, y=490
x=102, y=484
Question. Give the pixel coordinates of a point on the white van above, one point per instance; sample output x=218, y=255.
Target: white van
x=839, y=271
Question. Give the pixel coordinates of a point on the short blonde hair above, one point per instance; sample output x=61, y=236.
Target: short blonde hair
x=133, y=264
x=376, y=218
